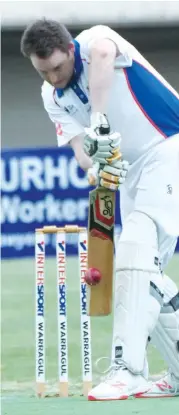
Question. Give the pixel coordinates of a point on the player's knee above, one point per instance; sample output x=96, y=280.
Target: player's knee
x=137, y=251
x=170, y=289
x=137, y=247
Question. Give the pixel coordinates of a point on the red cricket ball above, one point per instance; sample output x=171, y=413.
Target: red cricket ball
x=92, y=276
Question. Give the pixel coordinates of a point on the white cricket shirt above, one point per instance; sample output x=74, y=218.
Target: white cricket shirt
x=142, y=105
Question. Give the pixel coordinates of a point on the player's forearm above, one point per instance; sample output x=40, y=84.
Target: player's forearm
x=82, y=158
x=101, y=73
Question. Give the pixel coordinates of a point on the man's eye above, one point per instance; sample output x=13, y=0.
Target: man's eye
x=57, y=68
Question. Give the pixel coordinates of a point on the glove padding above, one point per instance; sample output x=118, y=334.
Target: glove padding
x=99, y=144
x=102, y=148
x=110, y=176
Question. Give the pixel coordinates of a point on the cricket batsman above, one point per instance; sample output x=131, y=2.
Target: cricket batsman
x=100, y=80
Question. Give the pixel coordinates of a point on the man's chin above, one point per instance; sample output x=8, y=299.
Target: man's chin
x=60, y=85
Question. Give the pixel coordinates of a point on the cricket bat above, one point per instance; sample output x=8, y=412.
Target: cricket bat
x=101, y=220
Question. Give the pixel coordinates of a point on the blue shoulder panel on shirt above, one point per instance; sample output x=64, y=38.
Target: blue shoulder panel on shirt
x=159, y=104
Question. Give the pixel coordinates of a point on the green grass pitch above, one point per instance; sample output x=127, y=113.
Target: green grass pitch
x=18, y=351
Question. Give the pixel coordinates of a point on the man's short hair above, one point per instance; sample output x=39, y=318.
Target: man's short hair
x=43, y=36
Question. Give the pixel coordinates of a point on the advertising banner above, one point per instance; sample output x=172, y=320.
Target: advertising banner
x=41, y=187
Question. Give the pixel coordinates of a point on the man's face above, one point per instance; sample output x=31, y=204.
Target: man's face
x=57, y=69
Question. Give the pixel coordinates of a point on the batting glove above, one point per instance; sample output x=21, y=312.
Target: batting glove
x=99, y=144
x=110, y=176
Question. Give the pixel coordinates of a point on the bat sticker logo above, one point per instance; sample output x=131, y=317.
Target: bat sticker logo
x=104, y=211
x=108, y=206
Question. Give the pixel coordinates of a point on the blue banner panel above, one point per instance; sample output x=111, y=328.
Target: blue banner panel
x=41, y=187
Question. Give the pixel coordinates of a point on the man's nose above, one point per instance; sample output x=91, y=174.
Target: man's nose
x=53, y=77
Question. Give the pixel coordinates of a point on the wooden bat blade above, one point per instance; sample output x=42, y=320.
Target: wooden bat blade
x=101, y=250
